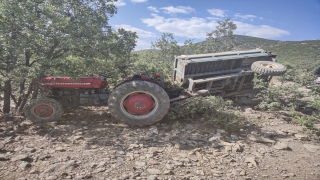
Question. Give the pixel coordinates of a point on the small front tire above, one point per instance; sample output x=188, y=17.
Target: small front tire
x=43, y=110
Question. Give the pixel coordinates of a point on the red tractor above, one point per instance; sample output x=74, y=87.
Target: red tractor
x=141, y=100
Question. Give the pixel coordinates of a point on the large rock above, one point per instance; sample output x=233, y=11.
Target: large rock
x=221, y=131
x=234, y=137
x=61, y=149
x=19, y=148
x=153, y=177
x=217, y=145
x=215, y=137
x=78, y=138
x=197, y=137
x=139, y=164
x=169, y=166
x=281, y=146
x=89, y=152
x=21, y=157
x=251, y=160
x=59, y=168
x=30, y=150
x=256, y=138
x=3, y=157
x=193, y=157
x=153, y=131
x=237, y=148
x=24, y=165
x=267, y=133
x=311, y=148
x=2, y=145
x=302, y=137
x=153, y=171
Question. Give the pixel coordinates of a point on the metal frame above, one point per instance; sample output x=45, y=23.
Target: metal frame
x=225, y=74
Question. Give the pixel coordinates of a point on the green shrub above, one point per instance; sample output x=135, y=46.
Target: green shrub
x=318, y=132
x=276, y=97
x=213, y=110
x=315, y=89
x=304, y=120
x=273, y=106
x=173, y=90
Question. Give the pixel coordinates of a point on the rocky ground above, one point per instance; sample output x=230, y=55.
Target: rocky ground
x=88, y=144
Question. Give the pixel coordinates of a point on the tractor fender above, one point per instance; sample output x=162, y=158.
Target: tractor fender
x=147, y=78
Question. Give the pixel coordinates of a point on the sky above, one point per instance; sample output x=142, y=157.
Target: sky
x=285, y=20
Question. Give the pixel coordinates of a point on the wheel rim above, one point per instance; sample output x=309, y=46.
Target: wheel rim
x=43, y=111
x=271, y=66
x=139, y=104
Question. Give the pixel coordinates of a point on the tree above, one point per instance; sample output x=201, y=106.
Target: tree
x=40, y=37
x=221, y=39
x=160, y=57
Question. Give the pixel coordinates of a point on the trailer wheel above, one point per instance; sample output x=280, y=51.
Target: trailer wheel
x=139, y=103
x=268, y=68
x=43, y=110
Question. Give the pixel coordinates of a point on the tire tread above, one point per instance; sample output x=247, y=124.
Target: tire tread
x=256, y=67
x=58, y=109
x=125, y=89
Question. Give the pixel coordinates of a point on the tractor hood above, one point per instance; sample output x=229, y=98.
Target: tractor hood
x=67, y=82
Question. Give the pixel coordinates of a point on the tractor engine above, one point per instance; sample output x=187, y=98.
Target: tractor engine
x=80, y=97
x=87, y=91
x=94, y=97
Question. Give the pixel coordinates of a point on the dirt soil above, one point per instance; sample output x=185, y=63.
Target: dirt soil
x=88, y=144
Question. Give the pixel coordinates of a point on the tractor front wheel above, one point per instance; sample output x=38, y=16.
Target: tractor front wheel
x=43, y=110
x=139, y=103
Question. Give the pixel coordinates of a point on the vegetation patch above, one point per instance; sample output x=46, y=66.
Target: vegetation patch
x=211, y=110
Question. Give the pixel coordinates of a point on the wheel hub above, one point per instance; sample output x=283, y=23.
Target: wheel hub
x=271, y=66
x=139, y=104
x=43, y=110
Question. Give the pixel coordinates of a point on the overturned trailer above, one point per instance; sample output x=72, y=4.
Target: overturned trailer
x=225, y=74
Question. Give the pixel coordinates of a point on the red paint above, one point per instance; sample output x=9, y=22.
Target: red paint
x=158, y=74
x=139, y=104
x=66, y=82
x=43, y=110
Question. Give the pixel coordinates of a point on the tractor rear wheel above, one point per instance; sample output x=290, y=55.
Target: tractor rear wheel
x=43, y=110
x=139, y=103
x=268, y=68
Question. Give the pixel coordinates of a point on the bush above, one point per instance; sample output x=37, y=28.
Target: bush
x=279, y=97
x=213, y=110
x=276, y=97
x=307, y=121
x=315, y=89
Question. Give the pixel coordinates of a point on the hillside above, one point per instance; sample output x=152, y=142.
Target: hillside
x=303, y=54
x=248, y=42
x=300, y=54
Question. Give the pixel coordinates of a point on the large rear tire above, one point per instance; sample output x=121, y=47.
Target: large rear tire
x=139, y=103
x=268, y=68
x=43, y=110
